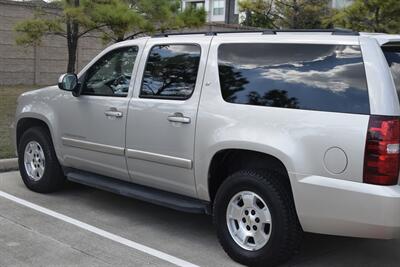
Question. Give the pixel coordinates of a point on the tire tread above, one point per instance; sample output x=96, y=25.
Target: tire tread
x=274, y=181
x=53, y=179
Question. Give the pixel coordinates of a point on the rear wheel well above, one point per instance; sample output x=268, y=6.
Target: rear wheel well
x=26, y=123
x=229, y=161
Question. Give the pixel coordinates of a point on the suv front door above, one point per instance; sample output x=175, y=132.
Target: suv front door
x=93, y=124
x=162, y=114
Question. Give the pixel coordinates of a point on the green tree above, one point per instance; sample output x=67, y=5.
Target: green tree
x=292, y=14
x=145, y=17
x=302, y=14
x=118, y=18
x=370, y=15
x=258, y=13
x=115, y=19
x=163, y=15
x=73, y=20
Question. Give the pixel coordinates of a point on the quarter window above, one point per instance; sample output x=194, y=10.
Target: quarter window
x=392, y=54
x=171, y=71
x=111, y=74
x=298, y=76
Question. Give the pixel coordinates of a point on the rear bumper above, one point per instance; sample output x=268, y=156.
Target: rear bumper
x=339, y=207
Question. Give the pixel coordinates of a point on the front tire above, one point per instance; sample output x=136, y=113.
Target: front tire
x=38, y=164
x=255, y=217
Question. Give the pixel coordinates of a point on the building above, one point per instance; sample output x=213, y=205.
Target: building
x=223, y=11
x=227, y=11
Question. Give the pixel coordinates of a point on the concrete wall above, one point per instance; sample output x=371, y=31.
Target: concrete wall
x=43, y=65
x=35, y=65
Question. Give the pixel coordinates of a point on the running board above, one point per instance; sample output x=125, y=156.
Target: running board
x=140, y=192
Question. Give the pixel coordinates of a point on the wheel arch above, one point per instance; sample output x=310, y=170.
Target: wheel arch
x=227, y=161
x=29, y=121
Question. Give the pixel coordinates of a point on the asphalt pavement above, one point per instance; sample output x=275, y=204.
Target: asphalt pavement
x=82, y=226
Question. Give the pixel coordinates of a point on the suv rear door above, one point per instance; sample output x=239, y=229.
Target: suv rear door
x=162, y=113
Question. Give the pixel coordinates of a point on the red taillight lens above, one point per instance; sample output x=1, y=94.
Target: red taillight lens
x=381, y=160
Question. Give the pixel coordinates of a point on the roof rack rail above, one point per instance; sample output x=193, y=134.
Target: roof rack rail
x=209, y=33
x=335, y=31
x=266, y=31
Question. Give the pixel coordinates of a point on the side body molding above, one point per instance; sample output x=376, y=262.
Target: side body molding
x=159, y=158
x=93, y=146
x=130, y=153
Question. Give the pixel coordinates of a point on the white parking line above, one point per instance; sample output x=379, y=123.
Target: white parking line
x=100, y=232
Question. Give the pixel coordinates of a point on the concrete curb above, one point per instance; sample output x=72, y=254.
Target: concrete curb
x=8, y=164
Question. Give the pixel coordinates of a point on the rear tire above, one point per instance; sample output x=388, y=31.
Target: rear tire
x=40, y=170
x=245, y=221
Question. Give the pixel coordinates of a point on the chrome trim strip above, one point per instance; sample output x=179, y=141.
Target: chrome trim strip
x=114, y=150
x=159, y=158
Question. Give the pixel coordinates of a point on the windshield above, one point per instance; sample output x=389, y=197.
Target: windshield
x=392, y=54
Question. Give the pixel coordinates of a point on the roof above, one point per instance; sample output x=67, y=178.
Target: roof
x=305, y=34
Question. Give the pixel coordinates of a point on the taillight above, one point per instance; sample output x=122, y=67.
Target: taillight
x=381, y=160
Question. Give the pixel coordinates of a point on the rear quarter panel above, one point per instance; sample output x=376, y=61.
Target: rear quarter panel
x=298, y=138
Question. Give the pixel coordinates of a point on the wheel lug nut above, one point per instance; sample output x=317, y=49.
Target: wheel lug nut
x=248, y=228
x=253, y=212
x=244, y=220
x=257, y=220
x=254, y=228
x=246, y=212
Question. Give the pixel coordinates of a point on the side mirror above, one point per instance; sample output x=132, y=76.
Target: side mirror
x=69, y=82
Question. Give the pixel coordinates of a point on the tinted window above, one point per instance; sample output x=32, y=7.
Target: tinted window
x=302, y=76
x=111, y=74
x=171, y=71
x=392, y=54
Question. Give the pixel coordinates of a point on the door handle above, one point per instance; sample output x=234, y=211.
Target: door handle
x=178, y=117
x=113, y=112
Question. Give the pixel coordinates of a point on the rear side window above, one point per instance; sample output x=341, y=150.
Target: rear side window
x=392, y=54
x=299, y=76
x=171, y=71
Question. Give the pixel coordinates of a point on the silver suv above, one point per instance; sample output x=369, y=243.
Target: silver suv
x=273, y=133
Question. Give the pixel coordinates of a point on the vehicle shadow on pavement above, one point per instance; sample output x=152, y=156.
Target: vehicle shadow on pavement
x=196, y=231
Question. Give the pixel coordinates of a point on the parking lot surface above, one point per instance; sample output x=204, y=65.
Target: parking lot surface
x=29, y=237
